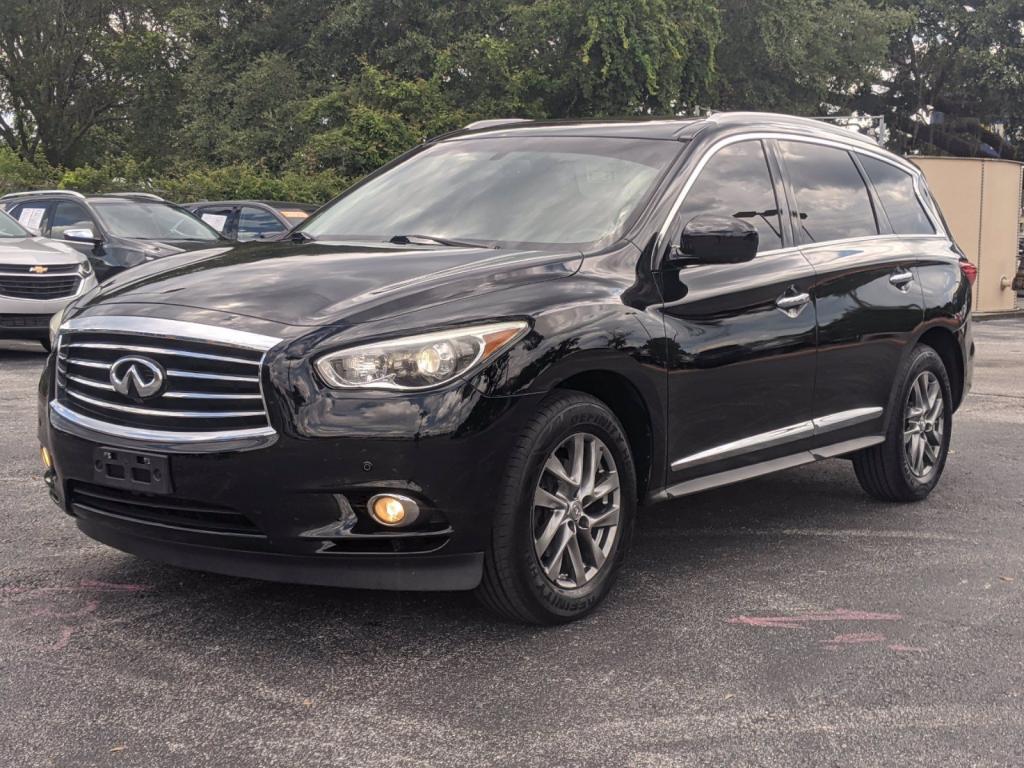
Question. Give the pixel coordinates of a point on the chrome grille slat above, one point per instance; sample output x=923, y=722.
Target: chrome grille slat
x=212, y=384
x=171, y=414
x=210, y=396
x=158, y=351
x=211, y=376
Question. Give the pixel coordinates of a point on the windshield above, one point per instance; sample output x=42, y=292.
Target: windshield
x=537, y=190
x=151, y=221
x=10, y=228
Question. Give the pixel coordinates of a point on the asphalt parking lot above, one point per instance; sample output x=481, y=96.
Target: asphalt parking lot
x=787, y=621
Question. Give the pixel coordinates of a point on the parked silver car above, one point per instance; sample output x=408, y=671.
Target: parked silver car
x=38, y=277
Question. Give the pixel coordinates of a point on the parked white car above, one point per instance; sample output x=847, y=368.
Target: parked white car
x=38, y=277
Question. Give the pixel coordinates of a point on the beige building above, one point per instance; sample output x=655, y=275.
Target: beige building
x=981, y=200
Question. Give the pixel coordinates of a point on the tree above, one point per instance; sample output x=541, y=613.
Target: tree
x=803, y=57
x=69, y=67
x=962, y=60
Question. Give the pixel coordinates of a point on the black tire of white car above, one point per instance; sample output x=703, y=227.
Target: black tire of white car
x=521, y=579
x=887, y=470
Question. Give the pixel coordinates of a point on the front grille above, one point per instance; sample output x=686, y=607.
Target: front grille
x=208, y=386
x=49, y=269
x=161, y=510
x=24, y=321
x=42, y=287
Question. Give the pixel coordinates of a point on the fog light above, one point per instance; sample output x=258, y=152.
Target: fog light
x=47, y=458
x=393, y=510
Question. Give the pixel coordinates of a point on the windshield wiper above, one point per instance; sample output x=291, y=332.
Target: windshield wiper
x=428, y=239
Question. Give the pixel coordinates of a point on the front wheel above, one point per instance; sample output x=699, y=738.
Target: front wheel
x=564, y=516
x=908, y=465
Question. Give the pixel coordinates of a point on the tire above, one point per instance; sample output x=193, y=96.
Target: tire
x=535, y=505
x=892, y=470
x=46, y=344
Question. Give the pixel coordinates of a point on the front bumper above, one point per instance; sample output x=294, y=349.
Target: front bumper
x=294, y=510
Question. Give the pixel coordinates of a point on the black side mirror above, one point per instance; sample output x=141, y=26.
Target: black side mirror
x=717, y=240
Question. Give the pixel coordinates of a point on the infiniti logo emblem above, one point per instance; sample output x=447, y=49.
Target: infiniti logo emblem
x=137, y=377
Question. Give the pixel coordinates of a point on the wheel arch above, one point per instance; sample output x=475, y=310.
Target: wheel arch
x=944, y=342
x=624, y=399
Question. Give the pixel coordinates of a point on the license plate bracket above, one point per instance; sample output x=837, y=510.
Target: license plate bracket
x=133, y=470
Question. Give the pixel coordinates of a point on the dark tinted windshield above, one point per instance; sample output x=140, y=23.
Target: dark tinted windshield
x=151, y=221
x=539, y=190
x=10, y=228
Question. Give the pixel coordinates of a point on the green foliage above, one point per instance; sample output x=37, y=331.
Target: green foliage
x=296, y=98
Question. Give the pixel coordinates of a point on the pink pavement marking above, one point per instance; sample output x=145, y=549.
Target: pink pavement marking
x=797, y=621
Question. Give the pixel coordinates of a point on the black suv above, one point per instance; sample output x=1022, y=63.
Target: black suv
x=115, y=231
x=471, y=369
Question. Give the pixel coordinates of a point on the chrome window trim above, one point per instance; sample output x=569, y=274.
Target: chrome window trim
x=816, y=426
x=836, y=143
x=177, y=329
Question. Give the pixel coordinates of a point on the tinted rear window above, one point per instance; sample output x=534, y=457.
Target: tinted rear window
x=830, y=193
x=895, y=189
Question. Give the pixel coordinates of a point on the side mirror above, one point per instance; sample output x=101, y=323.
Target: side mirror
x=82, y=236
x=717, y=240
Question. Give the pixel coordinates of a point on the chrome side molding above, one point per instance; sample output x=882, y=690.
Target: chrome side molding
x=740, y=474
x=799, y=431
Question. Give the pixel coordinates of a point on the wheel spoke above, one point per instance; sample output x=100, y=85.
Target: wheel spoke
x=556, y=521
x=597, y=556
x=606, y=518
x=576, y=561
x=556, y=468
x=543, y=498
x=931, y=453
x=554, y=568
x=578, y=444
x=608, y=485
x=591, y=462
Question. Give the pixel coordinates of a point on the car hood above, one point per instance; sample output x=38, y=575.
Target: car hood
x=314, y=284
x=37, y=250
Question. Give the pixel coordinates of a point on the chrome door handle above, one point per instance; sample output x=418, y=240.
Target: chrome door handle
x=901, y=279
x=793, y=304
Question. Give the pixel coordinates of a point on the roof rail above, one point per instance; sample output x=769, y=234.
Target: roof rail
x=141, y=195
x=495, y=122
x=37, y=192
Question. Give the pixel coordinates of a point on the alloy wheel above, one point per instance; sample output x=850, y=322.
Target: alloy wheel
x=924, y=425
x=576, y=511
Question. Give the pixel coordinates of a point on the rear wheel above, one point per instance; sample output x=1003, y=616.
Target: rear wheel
x=564, y=517
x=908, y=465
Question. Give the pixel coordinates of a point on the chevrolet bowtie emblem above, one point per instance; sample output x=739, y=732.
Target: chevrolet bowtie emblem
x=39, y=269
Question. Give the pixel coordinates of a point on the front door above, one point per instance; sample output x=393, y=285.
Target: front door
x=741, y=337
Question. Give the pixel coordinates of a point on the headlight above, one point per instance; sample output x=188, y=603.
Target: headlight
x=418, y=362
x=55, y=322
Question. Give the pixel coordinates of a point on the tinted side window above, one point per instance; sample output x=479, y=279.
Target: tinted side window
x=736, y=183
x=254, y=223
x=67, y=215
x=830, y=193
x=895, y=189
x=217, y=217
x=30, y=215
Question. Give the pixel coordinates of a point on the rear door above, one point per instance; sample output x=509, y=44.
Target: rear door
x=867, y=295
x=741, y=337
x=32, y=214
